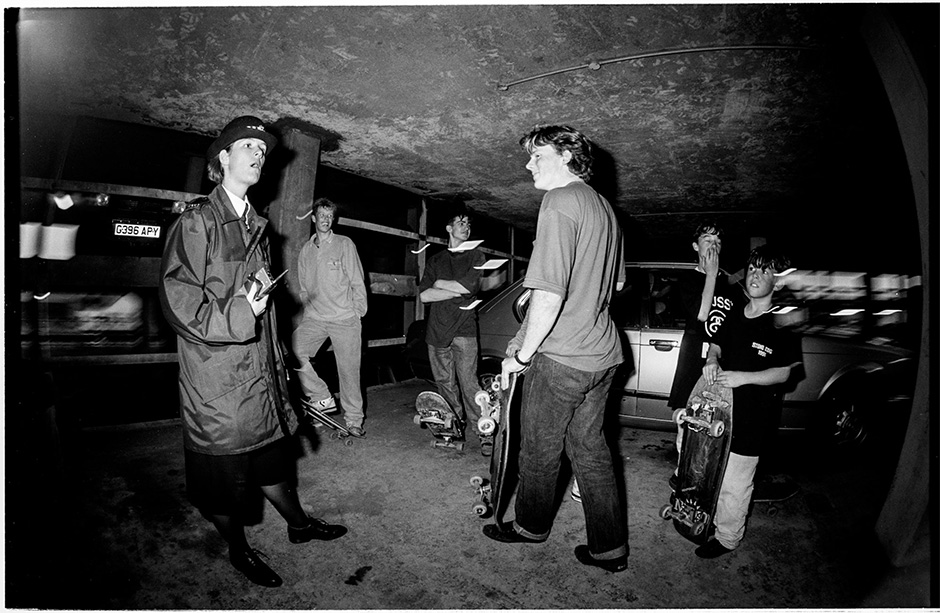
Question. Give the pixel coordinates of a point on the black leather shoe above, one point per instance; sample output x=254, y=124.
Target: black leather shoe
x=614, y=565
x=249, y=564
x=506, y=533
x=712, y=549
x=316, y=529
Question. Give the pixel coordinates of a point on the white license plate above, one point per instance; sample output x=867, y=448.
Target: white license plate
x=136, y=230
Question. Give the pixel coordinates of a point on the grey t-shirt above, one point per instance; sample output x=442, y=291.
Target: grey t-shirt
x=578, y=255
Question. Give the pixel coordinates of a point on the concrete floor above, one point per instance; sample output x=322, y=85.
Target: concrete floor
x=109, y=528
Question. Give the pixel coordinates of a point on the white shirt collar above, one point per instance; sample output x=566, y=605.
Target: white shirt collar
x=240, y=204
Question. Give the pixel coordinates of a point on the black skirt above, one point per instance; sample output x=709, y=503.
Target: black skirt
x=230, y=484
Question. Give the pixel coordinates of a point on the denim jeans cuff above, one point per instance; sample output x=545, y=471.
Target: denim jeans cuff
x=614, y=553
x=535, y=537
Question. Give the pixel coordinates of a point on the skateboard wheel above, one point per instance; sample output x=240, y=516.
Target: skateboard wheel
x=678, y=415
x=698, y=528
x=486, y=425
x=717, y=428
x=480, y=509
x=772, y=511
x=459, y=446
x=494, y=385
x=476, y=481
x=348, y=442
x=482, y=399
x=666, y=511
x=417, y=420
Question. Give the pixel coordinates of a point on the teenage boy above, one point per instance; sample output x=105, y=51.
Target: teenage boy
x=754, y=358
x=569, y=346
x=333, y=292
x=451, y=282
x=706, y=300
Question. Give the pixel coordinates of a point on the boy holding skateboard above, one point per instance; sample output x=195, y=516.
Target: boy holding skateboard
x=754, y=358
x=569, y=347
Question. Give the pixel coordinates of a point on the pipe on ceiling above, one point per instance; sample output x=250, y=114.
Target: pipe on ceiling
x=596, y=64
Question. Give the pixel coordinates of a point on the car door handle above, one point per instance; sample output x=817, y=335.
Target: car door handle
x=663, y=345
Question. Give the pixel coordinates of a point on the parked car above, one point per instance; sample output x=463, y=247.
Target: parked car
x=843, y=383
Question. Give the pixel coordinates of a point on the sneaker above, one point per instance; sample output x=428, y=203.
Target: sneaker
x=576, y=492
x=712, y=549
x=486, y=446
x=356, y=431
x=506, y=533
x=327, y=406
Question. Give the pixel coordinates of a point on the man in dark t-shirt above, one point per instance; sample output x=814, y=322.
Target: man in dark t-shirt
x=753, y=357
x=450, y=284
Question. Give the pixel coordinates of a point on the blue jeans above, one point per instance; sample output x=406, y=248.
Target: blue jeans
x=563, y=412
x=346, y=337
x=455, y=373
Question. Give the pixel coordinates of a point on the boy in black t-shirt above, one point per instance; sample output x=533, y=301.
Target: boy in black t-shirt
x=707, y=297
x=753, y=357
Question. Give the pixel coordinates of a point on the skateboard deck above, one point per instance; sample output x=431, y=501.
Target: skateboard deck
x=339, y=431
x=503, y=468
x=706, y=444
x=437, y=416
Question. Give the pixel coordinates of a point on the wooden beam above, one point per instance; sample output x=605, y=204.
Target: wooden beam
x=55, y=185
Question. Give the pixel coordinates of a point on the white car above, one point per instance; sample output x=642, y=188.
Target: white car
x=844, y=383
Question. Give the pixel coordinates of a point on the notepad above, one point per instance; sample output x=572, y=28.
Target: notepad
x=466, y=246
x=491, y=264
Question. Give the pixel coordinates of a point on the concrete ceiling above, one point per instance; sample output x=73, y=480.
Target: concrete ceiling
x=792, y=141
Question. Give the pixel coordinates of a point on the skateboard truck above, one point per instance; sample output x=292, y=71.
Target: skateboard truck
x=488, y=401
x=481, y=508
x=443, y=423
x=690, y=515
x=701, y=415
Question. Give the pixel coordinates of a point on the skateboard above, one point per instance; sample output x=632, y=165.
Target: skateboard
x=773, y=490
x=437, y=416
x=706, y=445
x=339, y=431
x=496, y=493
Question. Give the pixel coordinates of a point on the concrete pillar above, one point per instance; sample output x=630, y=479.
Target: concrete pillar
x=903, y=525
x=298, y=152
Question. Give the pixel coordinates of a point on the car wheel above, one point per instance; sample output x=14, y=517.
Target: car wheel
x=847, y=415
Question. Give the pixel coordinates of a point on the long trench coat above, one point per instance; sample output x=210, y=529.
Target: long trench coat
x=233, y=387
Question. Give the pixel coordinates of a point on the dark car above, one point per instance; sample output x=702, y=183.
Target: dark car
x=841, y=384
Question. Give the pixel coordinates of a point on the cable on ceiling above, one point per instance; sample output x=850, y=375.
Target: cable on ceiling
x=596, y=64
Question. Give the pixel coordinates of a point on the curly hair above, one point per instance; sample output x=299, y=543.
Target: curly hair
x=707, y=227
x=564, y=138
x=765, y=256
